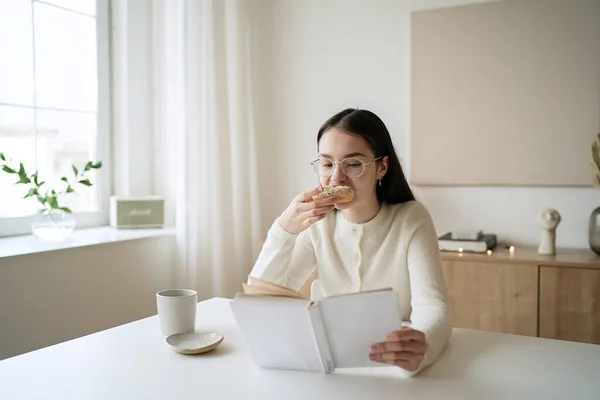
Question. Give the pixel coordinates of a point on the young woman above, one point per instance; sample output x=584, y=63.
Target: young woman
x=381, y=238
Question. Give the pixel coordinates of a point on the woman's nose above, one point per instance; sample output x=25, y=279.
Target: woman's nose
x=338, y=174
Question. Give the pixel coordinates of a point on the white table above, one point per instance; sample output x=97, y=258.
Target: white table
x=132, y=362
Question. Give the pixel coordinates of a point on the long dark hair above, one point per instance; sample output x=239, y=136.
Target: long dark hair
x=394, y=188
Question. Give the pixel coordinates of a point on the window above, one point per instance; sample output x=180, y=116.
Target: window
x=54, y=103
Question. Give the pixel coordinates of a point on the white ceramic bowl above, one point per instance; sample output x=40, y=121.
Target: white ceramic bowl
x=194, y=343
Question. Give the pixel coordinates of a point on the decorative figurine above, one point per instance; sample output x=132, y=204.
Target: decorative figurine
x=548, y=219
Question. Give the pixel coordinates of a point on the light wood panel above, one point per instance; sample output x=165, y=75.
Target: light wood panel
x=505, y=93
x=493, y=296
x=570, y=304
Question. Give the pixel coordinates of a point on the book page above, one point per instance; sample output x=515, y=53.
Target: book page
x=277, y=331
x=256, y=286
x=355, y=322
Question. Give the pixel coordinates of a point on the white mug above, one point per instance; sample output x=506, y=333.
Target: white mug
x=177, y=310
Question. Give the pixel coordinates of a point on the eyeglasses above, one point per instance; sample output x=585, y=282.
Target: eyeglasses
x=351, y=167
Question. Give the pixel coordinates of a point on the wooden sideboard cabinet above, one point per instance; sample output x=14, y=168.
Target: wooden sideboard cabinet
x=524, y=293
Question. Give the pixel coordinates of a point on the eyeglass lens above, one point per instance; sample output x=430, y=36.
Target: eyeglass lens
x=351, y=167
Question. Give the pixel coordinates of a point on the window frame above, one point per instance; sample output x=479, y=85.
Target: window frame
x=22, y=225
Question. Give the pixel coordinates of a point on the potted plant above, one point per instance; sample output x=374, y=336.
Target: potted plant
x=54, y=221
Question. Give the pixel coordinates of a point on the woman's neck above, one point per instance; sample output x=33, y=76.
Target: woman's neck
x=360, y=214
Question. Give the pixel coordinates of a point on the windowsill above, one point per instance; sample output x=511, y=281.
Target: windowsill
x=29, y=244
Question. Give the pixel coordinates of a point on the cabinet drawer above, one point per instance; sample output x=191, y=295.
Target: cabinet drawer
x=499, y=297
x=570, y=304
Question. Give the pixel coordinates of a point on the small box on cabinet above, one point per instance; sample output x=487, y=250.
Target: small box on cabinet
x=137, y=212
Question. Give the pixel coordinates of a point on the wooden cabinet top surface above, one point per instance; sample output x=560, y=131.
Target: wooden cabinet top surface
x=564, y=257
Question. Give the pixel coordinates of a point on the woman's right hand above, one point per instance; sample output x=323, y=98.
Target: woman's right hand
x=303, y=211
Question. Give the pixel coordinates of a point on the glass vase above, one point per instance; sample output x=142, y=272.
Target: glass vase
x=53, y=225
x=594, y=231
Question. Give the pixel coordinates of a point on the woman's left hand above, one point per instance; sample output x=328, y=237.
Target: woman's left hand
x=405, y=348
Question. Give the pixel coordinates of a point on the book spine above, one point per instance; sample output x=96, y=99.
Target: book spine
x=320, y=337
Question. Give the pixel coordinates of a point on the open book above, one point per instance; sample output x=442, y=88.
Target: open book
x=283, y=330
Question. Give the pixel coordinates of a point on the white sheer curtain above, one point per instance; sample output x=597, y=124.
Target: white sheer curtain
x=205, y=140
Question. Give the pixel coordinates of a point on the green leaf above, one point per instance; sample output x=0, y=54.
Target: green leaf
x=2, y=157
x=8, y=169
x=70, y=189
x=53, y=202
x=85, y=182
x=31, y=193
x=24, y=179
x=66, y=209
x=41, y=183
x=35, y=179
x=64, y=179
x=53, y=192
x=88, y=166
x=75, y=170
x=42, y=199
x=97, y=165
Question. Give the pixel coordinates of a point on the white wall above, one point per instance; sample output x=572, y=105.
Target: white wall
x=51, y=297
x=316, y=57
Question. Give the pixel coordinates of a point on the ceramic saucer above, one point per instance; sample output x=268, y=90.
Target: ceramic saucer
x=194, y=343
